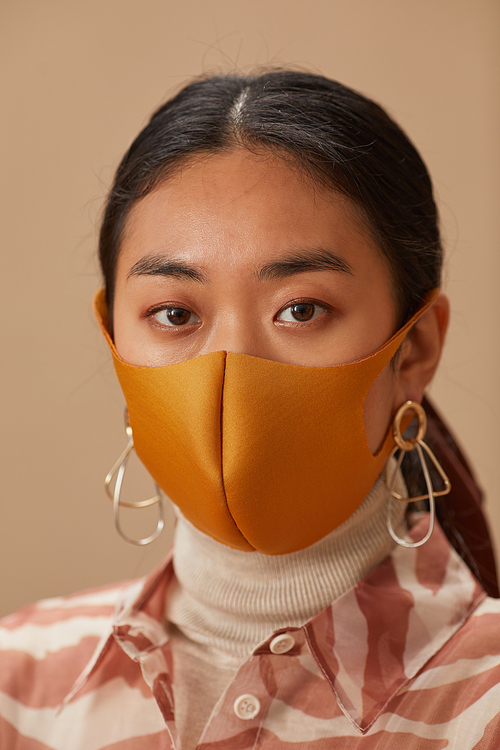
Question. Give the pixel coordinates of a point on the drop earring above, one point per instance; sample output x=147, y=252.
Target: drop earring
x=114, y=493
x=405, y=445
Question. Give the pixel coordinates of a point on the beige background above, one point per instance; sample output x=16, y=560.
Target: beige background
x=78, y=80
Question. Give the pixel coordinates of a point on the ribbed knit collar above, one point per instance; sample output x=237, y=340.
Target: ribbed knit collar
x=228, y=599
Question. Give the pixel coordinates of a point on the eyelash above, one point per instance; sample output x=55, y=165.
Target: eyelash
x=164, y=307
x=302, y=301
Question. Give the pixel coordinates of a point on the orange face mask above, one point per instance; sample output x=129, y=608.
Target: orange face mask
x=259, y=455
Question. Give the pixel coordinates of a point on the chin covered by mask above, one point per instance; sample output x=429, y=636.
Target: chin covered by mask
x=259, y=455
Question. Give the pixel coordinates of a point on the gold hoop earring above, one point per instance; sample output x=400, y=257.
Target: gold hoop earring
x=405, y=446
x=114, y=493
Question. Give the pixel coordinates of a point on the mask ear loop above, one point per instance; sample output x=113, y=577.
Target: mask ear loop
x=405, y=446
x=119, y=468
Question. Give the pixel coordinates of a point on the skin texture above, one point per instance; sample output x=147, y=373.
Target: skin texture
x=241, y=252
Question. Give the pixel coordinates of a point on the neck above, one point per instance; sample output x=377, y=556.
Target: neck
x=225, y=601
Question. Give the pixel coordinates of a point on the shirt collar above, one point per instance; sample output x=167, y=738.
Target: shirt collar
x=368, y=643
x=137, y=625
x=375, y=638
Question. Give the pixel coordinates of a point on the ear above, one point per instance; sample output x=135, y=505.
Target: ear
x=420, y=353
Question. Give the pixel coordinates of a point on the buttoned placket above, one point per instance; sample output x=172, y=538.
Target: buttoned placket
x=244, y=707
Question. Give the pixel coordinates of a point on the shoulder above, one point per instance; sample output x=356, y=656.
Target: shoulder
x=44, y=647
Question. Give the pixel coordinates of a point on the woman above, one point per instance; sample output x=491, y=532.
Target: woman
x=272, y=262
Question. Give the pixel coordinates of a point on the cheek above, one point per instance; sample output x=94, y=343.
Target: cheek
x=378, y=407
x=128, y=336
x=121, y=333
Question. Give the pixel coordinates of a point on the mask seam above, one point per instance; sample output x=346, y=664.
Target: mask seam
x=221, y=449
x=221, y=436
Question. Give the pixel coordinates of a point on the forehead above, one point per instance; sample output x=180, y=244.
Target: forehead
x=241, y=207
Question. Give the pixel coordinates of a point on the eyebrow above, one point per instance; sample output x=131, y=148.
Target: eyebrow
x=320, y=259
x=160, y=265
x=297, y=262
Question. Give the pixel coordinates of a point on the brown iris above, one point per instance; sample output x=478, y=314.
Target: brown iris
x=302, y=311
x=178, y=315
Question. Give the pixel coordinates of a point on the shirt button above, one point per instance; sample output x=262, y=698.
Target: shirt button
x=282, y=643
x=246, y=706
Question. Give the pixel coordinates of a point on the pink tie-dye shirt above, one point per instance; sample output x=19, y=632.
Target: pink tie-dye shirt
x=408, y=658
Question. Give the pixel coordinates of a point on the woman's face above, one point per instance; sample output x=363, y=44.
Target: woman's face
x=242, y=253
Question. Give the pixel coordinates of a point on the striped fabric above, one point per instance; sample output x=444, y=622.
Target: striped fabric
x=408, y=658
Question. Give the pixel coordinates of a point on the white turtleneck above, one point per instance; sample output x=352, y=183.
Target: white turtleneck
x=223, y=603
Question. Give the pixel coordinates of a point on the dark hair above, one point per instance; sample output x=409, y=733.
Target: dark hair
x=348, y=143
x=339, y=137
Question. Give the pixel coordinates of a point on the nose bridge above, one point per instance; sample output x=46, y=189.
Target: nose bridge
x=238, y=332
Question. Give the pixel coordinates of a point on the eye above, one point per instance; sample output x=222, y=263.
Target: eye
x=301, y=312
x=174, y=316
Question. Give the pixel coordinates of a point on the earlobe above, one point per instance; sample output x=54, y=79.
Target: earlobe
x=420, y=353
